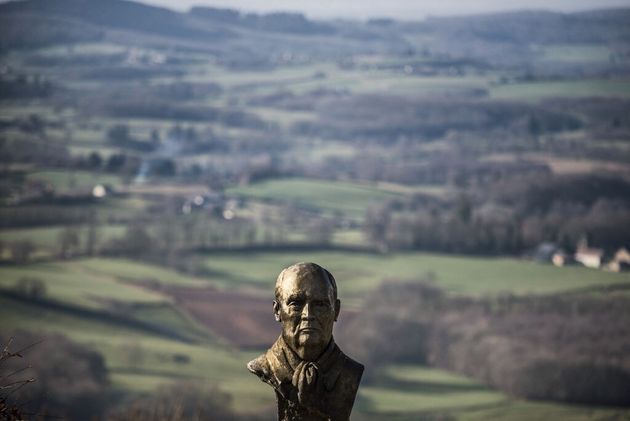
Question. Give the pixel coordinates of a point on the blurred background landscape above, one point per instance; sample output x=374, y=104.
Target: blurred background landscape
x=465, y=178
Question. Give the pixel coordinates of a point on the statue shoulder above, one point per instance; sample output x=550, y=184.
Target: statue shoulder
x=260, y=366
x=353, y=368
x=345, y=389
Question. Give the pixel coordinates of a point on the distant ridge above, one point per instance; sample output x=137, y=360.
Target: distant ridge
x=135, y=16
x=295, y=23
x=121, y=14
x=31, y=23
x=605, y=25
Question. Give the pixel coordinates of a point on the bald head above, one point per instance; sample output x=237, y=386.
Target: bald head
x=303, y=270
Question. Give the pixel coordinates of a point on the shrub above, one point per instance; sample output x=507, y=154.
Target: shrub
x=178, y=402
x=71, y=380
x=561, y=347
x=33, y=288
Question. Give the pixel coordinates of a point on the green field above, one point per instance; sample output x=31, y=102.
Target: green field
x=408, y=392
x=47, y=238
x=135, y=271
x=64, y=181
x=80, y=149
x=89, y=282
x=78, y=285
x=93, y=283
x=576, y=54
x=332, y=196
x=430, y=390
x=284, y=118
x=301, y=79
x=537, y=91
x=358, y=273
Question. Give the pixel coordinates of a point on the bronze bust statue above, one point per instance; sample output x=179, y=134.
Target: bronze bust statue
x=313, y=380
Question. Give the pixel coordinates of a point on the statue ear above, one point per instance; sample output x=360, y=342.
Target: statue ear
x=337, y=308
x=276, y=311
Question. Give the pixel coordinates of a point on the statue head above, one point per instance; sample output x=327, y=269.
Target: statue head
x=306, y=305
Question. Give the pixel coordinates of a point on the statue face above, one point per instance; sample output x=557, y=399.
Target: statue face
x=307, y=310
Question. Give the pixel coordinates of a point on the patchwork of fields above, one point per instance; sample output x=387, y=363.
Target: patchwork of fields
x=159, y=168
x=140, y=360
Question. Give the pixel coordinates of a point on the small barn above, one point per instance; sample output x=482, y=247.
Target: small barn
x=620, y=262
x=589, y=256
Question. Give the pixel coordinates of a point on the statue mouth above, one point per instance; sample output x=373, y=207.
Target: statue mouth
x=308, y=329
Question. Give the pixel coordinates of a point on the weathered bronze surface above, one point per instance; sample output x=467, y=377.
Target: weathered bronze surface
x=312, y=378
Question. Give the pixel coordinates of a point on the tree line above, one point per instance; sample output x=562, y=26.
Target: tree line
x=568, y=348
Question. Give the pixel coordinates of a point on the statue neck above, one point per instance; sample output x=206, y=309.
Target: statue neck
x=309, y=353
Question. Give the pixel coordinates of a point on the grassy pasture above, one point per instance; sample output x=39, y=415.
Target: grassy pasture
x=64, y=181
x=358, y=273
x=76, y=285
x=8, y=111
x=425, y=85
x=84, y=150
x=318, y=150
x=166, y=189
x=167, y=315
x=408, y=392
x=283, y=118
x=437, y=392
x=431, y=190
x=561, y=165
x=134, y=271
x=122, y=208
x=537, y=91
x=47, y=238
x=110, y=213
x=300, y=79
x=351, y=199
x=85, y=280
x=575, y=54
x=92, y=282
x=42, y=238
x=526, y=411
x=576, y=166
x=87, y=136
x=349, y=237
x=387, y=81
x=280, y=77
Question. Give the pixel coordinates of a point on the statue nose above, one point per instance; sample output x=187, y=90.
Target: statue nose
x=307, y=313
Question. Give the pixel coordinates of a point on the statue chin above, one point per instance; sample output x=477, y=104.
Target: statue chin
x=309, y=338
x=310, y=347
